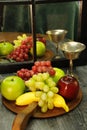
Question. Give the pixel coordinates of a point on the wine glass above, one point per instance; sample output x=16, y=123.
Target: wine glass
x=72, y=51
x=56, y=36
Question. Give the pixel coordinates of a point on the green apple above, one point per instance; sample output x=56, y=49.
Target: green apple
x=6, y=48
x=59, y=73
x=12, y=87
x=40, y=49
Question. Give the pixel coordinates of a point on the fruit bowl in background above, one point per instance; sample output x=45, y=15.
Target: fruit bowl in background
x=12, y=66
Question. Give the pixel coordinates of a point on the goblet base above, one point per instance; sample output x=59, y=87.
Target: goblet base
x=72, y=74
x=56, y=57
x=75, y=75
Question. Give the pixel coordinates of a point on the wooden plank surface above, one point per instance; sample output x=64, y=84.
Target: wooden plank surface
x=74, y=120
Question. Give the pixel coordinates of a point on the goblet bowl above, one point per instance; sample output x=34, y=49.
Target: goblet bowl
x=72, y=49
x=56, y=35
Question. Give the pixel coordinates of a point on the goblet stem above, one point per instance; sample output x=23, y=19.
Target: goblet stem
x=71, y=66
x=57, y=49
x=71, y=70
x=57, y=56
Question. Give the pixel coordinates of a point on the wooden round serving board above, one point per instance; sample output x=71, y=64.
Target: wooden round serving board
x=38, y=114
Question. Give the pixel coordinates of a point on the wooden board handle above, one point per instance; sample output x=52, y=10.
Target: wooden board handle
x=20, y=121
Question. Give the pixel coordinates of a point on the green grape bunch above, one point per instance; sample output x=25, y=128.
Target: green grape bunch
x=45, y=88
x=19, y=40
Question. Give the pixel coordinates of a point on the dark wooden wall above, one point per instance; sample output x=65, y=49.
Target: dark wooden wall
x=1, y=16
x=84, y=23
x=83, y=35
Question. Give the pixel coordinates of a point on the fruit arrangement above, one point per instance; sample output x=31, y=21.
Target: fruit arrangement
x=22, y=48
x=44, y=84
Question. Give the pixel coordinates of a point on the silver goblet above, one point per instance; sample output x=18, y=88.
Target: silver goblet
x=72, y=51
x=56, y=36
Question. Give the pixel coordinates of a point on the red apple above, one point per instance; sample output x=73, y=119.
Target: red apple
x=68, y=87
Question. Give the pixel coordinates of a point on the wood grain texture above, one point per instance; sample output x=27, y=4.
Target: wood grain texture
x=20, y=121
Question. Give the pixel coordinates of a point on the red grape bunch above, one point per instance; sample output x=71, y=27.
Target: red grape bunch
x=38, y=67
x=43, y=66
x=22, y=45
x=25, y=74
x=21, y=53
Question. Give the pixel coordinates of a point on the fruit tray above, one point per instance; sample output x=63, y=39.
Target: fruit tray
x=32, y=110
x=38, y=114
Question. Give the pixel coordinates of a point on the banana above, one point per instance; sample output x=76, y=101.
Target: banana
x=29, y=97
x=26, y=99
x=59, y=101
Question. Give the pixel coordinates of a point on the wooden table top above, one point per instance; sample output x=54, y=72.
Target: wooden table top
x=74, y=120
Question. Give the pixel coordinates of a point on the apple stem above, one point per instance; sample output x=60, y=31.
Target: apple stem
x=12, y=79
